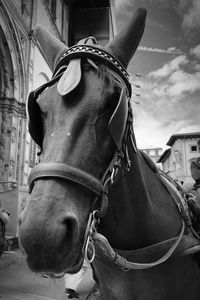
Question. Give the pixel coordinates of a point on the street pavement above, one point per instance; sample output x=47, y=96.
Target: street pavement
x=17, y=282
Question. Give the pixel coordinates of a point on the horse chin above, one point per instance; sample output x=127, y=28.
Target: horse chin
x=56, y=268
x=76, y=266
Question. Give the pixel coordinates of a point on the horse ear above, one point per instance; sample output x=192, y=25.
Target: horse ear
x=52, y=47
x=124, y=44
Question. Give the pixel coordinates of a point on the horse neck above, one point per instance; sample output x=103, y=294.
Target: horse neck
x=141, y=211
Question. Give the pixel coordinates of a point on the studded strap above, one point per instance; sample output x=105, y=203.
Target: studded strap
x=88, y=51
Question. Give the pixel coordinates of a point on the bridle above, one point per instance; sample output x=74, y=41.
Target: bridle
x=121, y=130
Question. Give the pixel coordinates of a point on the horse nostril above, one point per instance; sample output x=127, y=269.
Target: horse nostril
x=19, y=221
x=72, y=231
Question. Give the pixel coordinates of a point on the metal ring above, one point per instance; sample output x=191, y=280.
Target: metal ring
x=89, y=243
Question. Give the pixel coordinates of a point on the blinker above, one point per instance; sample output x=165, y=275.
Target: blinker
x=34, y=113
x=34, y=119
x=70, y=78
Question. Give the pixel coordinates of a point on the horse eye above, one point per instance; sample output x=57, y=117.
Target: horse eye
x=111, y=102
x=114, y=99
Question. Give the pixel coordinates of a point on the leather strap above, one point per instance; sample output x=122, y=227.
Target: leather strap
x=34, y=113
x=66, y=172
x=106, y=250
x=117, y=123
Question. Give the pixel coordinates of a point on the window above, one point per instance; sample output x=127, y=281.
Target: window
x=193, y=148
x=152, y=152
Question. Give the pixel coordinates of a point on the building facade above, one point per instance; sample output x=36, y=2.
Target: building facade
x=154, y=153
x=23, y=69
x=176, y=159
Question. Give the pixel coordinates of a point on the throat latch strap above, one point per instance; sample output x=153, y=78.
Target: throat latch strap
x=63, y=171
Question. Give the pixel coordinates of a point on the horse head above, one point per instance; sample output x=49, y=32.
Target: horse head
x=79, y=119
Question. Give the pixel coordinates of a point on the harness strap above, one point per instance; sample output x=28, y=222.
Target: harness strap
x=106, y=250
x=66, y=172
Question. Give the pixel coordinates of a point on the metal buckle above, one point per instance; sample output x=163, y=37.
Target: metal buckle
x=112, y=175
x=88, y=246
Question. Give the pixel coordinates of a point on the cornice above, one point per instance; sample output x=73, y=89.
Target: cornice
x=12, y=105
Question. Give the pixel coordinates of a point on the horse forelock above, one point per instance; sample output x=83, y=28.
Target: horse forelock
x=112, y=79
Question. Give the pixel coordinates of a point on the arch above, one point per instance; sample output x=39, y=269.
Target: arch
x=6, y=68
x=12, y=36
x=12, y=101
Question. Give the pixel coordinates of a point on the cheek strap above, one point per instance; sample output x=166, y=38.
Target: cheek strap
x=117, y=123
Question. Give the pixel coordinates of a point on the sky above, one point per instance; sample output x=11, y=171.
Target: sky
x=168, y=60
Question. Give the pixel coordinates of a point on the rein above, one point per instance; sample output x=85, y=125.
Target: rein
x=112, y=255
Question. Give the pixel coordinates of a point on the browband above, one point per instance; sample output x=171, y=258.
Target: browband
x=88, y=51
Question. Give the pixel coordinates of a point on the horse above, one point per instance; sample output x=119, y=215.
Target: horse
x=94, y=194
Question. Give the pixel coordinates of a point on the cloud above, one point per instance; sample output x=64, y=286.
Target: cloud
x=197, y=67
x=183, y=83
x=160, y=90
x=157, y=25
x=177, y=84
x=196, y=51
x=169, y=102
x=188, y=10
x=151, y=131
x=144, y=126
x=171, y=50
x=170, y=67
x=191, y=17
x=188, y=129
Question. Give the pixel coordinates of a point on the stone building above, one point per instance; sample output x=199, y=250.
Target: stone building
x=23, y=68
x=176, y=159
x=153, y=153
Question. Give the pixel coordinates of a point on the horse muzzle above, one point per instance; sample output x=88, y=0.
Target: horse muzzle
x=50, y=244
